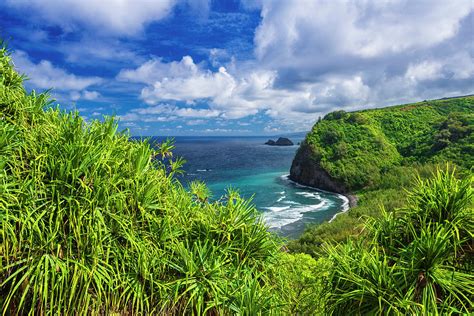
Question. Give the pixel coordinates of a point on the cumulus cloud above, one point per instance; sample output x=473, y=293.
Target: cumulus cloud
x=108, y=16
x=309, y=30
x=44, y=75
x=458, y=66
x=312, y=57
x=366, y=53
x=230, y=95
x=315, y=57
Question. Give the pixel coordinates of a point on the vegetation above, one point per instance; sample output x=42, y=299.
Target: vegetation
x=416, y=260
x=359, y=148
x=92, y=223
x=377, y=153
x=398, y=252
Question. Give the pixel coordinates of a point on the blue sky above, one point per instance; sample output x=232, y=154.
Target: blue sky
x=184, y=67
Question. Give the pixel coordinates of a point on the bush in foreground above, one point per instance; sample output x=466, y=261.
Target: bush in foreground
x=93, y=223
x=416, y=260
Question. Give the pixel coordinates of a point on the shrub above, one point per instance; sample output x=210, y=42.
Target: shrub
x=415, y=260
x=93, y=223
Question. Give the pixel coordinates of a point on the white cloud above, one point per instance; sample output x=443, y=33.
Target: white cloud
x=156, y=70
x=426, y=70
x=90, y=95
x=45, y=75
x=108, y=16
x=310, y=30
x=166, y=112
x=457, y=66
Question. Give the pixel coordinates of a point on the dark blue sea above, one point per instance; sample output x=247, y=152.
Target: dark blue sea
x=259, y=172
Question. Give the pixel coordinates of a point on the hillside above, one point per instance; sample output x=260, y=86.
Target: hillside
x=352, y=151
x=375, y=155
x=390, y=250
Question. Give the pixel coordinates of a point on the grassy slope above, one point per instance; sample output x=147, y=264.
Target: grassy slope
x=376, y=153
x=92, y=223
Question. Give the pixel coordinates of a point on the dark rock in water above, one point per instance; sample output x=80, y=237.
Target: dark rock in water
x=282, y=141
x=270, y=142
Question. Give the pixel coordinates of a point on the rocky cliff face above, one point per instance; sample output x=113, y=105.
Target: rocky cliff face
x=306, y=171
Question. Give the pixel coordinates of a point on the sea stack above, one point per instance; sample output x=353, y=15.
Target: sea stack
x=282, y=141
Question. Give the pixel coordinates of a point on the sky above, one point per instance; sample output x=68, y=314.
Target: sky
x=238, y=67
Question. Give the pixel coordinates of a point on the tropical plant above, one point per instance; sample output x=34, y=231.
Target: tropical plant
x=414, y=260
x=92, y=222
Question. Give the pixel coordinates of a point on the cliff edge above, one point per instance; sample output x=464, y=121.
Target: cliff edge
x=347, y=152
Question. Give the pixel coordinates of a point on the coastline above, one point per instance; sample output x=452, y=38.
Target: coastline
x=350, y=200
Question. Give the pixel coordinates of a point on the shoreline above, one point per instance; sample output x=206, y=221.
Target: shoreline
x=350, y=200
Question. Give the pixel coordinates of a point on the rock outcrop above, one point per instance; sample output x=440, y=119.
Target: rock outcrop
x=270, y=142
x=306, y=171
x=282, y=141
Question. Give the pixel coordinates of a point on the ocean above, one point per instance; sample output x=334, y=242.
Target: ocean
x=259, y=172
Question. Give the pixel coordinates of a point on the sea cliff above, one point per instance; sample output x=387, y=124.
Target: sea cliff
x=348, y=152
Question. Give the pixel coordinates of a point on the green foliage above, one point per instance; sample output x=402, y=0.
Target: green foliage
x=414, y=260
x=93, y=223
x=302, y=279
x=357, y=149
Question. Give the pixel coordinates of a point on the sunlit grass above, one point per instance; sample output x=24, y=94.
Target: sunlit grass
x=92, y=223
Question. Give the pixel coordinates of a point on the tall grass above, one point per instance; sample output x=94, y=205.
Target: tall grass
x=92, y=223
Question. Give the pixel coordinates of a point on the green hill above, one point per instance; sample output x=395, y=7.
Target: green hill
x=405, y=247
x=353, y=151
x=374, y=155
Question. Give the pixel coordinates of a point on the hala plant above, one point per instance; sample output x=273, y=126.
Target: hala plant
x=417, y=260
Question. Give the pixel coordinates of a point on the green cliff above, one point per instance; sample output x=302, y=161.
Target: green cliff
x=352, y=151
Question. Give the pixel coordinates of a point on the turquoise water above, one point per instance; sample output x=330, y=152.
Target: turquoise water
x=259, y=172
x=286, y=207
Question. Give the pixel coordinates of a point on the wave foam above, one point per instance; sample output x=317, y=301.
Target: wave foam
x=282, y=216
x=311, y=195
x=281, y=198
x=277, y=208
x=345, y=206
